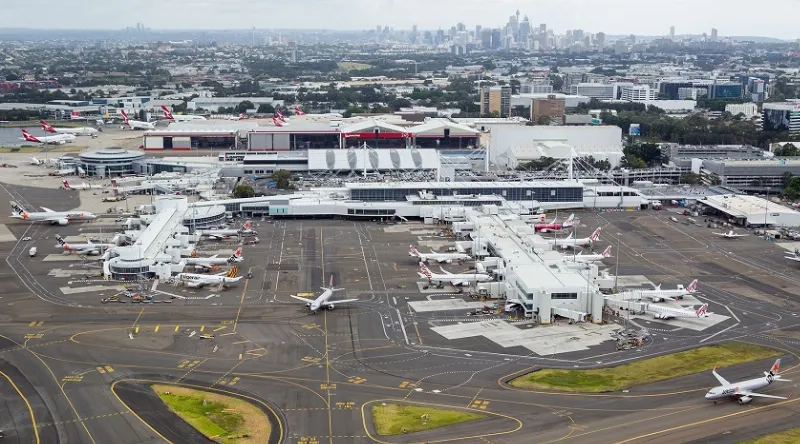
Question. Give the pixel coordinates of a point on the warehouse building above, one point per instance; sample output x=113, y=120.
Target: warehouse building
x=752, y=210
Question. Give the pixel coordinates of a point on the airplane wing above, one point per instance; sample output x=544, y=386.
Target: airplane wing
x=720, y=234
x=47, y=210
x=760, y=395
x=460, y=249
x=445, y=271
x=308, y=301
x=214, y=256
x=53, y=219
x=721, y=380
x=792, y=258
x=339, y=302
x=456, y=283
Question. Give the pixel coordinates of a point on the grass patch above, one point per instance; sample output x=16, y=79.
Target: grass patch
x=645, y=371
x=353, y=66
x=790, y=436
x=396, y=419
x=221, y=418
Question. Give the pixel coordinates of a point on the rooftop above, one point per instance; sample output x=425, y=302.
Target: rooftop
x=493, y=184
x=744, y=205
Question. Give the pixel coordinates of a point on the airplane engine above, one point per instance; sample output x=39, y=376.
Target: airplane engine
x=308, y=305
x=330, y=307
x=449, y=261
x=745, y=399
x=62, y=221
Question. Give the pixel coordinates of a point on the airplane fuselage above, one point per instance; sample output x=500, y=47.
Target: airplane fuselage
x=732, y=390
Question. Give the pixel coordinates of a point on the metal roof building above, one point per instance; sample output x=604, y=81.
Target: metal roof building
x=753, y=210
x=372, y=160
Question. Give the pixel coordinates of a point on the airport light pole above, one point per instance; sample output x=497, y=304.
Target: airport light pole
x=616, y=266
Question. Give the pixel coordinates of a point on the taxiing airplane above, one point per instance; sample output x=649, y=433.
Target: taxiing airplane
x=48, y=215
x=194, y=280
x=794, y=257
x=588, y=258
x=554, y=226
x=58, y=139
x=664, y=312
x=659, y=295
x=180, y=117
x=207, y=263
x=229, y=233
x=136, y=124
x=744, y=391
x=453, y=279
x=439, y=257
x=321, y=302
x=80, y=186
x=730, y=235
x=80, y=131
x=300, y=112
x=88, y=248
x=571, y=242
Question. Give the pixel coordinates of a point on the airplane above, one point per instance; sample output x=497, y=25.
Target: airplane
x=730, y=235
x=300, y=112
x=281, y=117
x=321, y=301
x=744, y=391
x=194, y=280
x=81, y=186
x=276, y=122
x=81, y=131
x=664, y=312
x=659, y=295
x=229, y=233
x=587, y=258
x=88, y=248
x=58, y=139
x=439, y=257
x=179, y=118
x=553, y=226
x=35, y=161
x=207, y=263
x=48, y=215
x=794, y=257
x=453, y=279
x=570, y=242
x=207, y=336
x=136, y=124
x=241, y=116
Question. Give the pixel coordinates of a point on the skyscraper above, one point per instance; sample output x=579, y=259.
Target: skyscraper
x=713, y=33
x=672, y=33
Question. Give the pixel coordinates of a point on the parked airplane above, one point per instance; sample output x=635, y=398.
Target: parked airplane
x=58, y=139
x=35, y=161
x=276, y=122
x=300, y=112
x=588, y=258
x=207, y=263
x=321, y=301
x=136, y=124
x=794, y=257
x=281, y=117
x=48, y=215
x=229, y=233
x=439, y=257
x=194, y=280
x=453, y=279
x=730, y=235
x=180, y=117
x=664, y=312
x=241, y=116
x=744, y=391
x=554, y=226
x=87, y=248
x=80, y=186
x=80, y=131
x=659, y=295
x=571, y=242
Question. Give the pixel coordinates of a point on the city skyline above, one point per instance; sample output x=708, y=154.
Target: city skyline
x=612, y=17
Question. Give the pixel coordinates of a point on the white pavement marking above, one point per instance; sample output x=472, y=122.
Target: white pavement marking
x=732, y=314
x=721, y=331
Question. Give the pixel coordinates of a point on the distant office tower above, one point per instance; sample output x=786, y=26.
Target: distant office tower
x=553, y=107
x=496, y=99
x=748, y=109
x=600, y=38
x=486, y=38
x=461, y=27
x=713, y=33
x=497, y=38
x=782, y=117
x=672, y=33
x=637, y=93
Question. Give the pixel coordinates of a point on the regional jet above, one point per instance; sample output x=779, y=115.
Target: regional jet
x=88, y=248
x=571, y=242
x=659, y=295
x=453, y=279
x=48, y=215
x=300, y=112
x=321, y=302
x=179, y=118
x=58, y=139
x=80, y=186
x=207, y=263
x=80, y=131
x=730, y=235
x=229, y=233
x=136, y=124
x=194, y=280
x=439, y=257
x=794, y=257
x=588, y=258
x=664, y=312
x=555, y=226
x=744, y=391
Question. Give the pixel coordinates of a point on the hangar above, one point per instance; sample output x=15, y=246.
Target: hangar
x=443, y=134
x=752, y=210
x=208, y=134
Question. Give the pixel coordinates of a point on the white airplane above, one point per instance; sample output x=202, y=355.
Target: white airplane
x=179, y=118
x=571, y=242
x=744, y=391
x=80, y=131
x=208, y=263
x=88, y=248
x=453, y=279
x=664, y=312
x=241, y=116
x=659, y=295
x=315, y=305
x=280, y=117
x=194, y=280
x=80, y=186
x=48, y=215
x=136, y=124
x=35, y=161
x=794, y=257
x=300, y=112
x=276, y=122
x=439, y=257
x=229, y=233
x=58, y=139
x=588, y=258
x=730, y=235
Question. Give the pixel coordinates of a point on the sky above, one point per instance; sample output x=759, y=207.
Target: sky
x=641, y=17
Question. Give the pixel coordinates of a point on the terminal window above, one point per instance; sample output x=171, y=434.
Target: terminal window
x=563, y=295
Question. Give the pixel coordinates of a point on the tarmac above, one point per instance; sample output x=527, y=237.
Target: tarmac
x=75, y=370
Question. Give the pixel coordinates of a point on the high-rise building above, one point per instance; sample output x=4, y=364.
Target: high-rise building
x=672, y=33
x=637, y=93
x=782, y=117
x=460, y=27
x=714, y=34
x=496, y=99
x=553, y=107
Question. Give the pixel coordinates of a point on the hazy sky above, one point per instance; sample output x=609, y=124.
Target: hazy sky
x=643, y=17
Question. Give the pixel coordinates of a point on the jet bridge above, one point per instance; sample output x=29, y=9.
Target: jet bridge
x=576, y=316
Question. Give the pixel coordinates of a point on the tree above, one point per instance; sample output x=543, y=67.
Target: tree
x=690, y=178
x=792, y=191
x=282, y=179
x=266, y=108
x=787, y=150
x=244, y=106
x=632, y=162
x=650, y=153
x=543, y=120
x=787, y=178
x=243, y=191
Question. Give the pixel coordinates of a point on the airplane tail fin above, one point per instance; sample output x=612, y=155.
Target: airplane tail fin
x=47, y=127
x=60, y=239
x=595, y=236
x=607, y=252
x=692, y=286
x=425, y=271
x=17, y=208
x=124, y=116
x=66, y=185
x=775, y=368
x=276, y=122
x=28, y=137
x=413, y=251
x=701, y=312
x=167, y=113
x=569, y=222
